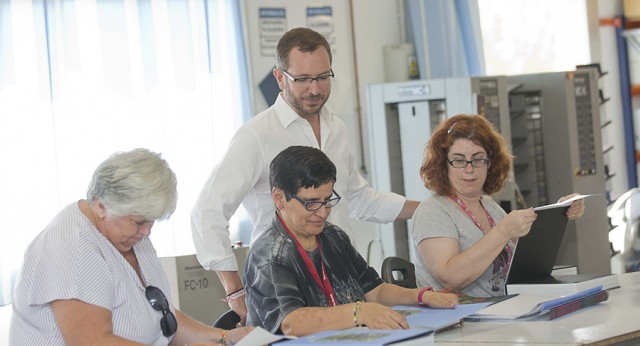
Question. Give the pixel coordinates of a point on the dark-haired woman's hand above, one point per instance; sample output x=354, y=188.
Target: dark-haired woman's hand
x=378, y=316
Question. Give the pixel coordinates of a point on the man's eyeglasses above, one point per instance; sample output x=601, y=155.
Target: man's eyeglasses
x=315, y=205
x=321, y=79
x=477, y=163
x=159, y=302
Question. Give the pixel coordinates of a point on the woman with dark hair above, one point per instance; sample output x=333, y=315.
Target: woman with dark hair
x=464, y=238
x=303, y=275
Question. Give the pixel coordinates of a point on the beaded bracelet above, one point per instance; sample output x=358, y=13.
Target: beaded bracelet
x=223, y=337
x=424, y=289
x=356, y=310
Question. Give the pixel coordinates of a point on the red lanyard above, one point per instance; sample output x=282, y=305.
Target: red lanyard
x=324, y=284
x=491, y=223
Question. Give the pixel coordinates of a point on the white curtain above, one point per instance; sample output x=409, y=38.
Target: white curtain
x=82, y=79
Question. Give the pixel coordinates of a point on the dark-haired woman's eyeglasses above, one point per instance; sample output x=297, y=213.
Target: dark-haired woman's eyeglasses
x=315, y=205
x=159, y=302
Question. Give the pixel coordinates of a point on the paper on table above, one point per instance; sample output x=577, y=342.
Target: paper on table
x=259, y=336
x=516, y=306
x=365, y=336
x=563, y=203
x=437, y=318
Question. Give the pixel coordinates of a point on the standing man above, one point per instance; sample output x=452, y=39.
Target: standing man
x=298, y=117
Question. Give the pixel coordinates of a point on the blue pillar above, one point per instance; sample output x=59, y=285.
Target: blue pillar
x=627, y=111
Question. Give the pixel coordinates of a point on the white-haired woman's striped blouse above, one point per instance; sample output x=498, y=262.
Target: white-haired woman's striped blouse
x=71, y=259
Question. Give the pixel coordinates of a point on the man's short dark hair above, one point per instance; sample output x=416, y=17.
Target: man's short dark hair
x=305, y=39
x=300, y=167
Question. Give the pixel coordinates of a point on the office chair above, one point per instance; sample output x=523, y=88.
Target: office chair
x=228, y=320
x=399, y=271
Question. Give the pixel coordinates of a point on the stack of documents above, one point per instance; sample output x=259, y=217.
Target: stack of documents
x=540, y=307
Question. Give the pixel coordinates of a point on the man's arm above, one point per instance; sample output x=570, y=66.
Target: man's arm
x=224, y=190
x=232, y=283
x=222, y=193
x=408, y=209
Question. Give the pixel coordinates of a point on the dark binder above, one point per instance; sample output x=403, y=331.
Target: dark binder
x=536, y=252
x=576, y=304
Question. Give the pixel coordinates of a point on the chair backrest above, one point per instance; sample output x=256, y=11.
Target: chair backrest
x=228, y=320
x=399, y=271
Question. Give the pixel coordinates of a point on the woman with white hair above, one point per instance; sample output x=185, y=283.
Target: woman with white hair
x=92, y=276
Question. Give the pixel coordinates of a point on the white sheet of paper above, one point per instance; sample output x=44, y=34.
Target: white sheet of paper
x=259, y=336
x=563, y=203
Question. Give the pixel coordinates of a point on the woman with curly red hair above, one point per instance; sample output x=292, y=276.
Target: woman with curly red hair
x=464, y=238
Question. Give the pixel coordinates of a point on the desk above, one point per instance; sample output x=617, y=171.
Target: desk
x=616, y=320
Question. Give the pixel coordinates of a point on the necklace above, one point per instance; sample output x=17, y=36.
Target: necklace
x=470, y=214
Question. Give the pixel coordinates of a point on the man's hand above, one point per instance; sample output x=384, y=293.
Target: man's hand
x=240, y=307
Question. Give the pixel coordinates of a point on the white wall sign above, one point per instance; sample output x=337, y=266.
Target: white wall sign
x=320, y=19
x=273, y=24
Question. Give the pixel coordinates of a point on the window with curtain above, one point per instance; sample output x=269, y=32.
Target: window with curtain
x=82, y=79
